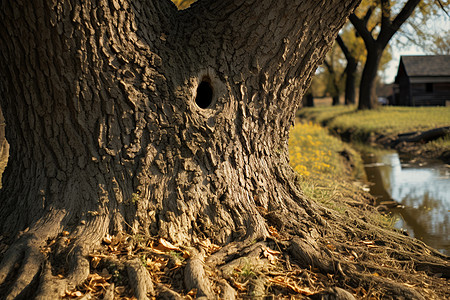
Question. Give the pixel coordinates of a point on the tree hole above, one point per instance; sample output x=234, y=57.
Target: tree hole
x=204, y=94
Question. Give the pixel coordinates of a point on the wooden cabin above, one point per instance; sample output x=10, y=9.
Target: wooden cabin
x=423, y=81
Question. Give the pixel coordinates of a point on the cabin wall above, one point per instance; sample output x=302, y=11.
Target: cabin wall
x=430, y=93
x=404, y=95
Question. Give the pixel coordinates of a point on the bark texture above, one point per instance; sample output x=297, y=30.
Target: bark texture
x=133, y=116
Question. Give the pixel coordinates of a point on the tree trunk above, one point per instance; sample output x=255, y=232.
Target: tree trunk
x=376, y=45
x=335, y=82
x=335, y=100
x=308, y=100
x=350, y=82
x=133, y=116
x=367, y=88
x=350, y=72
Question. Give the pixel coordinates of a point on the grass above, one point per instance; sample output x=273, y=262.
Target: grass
x=315, y=153
x=329, y=169
x=317, y=156
x=394, y=120
x=323, y=114
x=331, y=172
x=383, y=121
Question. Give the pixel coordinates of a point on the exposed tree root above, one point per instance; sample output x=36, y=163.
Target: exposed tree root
x=333, y=293
x=227, y=292
x=139, y=279
x=166, y=293
x=196, y=278
x=25, y=256
x=27, y=273
x=40, y=266
x=347, y=256
x=50, y=285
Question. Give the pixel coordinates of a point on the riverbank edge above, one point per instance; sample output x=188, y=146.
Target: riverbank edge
x=348, y=182
x=410, y=145
x=353, y=199
x=412, y=151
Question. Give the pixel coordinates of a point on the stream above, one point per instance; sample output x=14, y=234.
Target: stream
x=421, y=193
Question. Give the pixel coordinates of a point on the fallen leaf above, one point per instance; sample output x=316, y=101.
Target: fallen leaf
x=241, y=286
x=74, y=294
x=273, y=231
x=271, y=255
x=166, y=246
x=95, y=261
x=331, y=247
x=208, y=246
x=273, y=252
x=186, y=254
x=192, y=292
x=107, y=239
x=206, y=243
x=281, y=281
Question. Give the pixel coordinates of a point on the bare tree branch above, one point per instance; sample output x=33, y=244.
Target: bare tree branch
x=362, y=30
x=385, y=13
x=388, y=29
x=442, y=7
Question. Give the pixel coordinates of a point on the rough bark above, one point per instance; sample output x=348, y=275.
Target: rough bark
x=376, y=45
x=133, y=116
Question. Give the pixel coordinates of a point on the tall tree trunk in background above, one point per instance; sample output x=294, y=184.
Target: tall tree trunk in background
x=376, y=46
x=350, y=72
x=335, y=100
x=350, y=83
x=131, y=115
x=335, y=82
x=308, y=100
x=367, y=88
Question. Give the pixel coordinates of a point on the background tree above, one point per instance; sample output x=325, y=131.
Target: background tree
x=376, y=40
x=342, y=63
x=427, y=28
x=353, y=48
x=335, y=73
x=350, y=72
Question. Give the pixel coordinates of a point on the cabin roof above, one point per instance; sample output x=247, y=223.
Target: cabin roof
x=426, y=65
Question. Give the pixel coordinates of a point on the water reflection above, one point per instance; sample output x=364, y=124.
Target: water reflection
x=423, y=191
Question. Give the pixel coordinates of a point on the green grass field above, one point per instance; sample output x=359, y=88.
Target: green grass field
x=384, y=121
